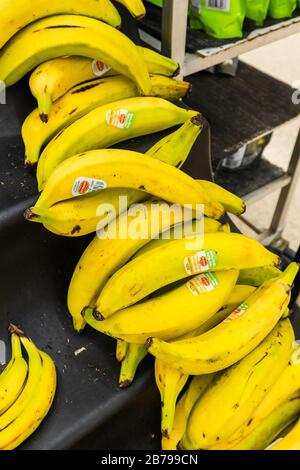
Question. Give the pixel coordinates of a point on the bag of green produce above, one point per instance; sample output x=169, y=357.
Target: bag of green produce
x=158, y=3
x=282, y=8
x=257, y=10
x=222, y=19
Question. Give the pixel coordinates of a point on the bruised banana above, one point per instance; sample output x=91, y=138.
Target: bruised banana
x=16, y=14
x=170, y=315
x=242, y=388
x=135, y=7
x=118, y=121
x=113, y=168
x=170, y=383
x=196, y=389
x=267, y=431
x=62, y=35
x=236, y=336
x=286, y=386
x=13, y=378
x=84, y=98
x=103, y=257
x=291, y=441
x=177, y=260
x=54, y=78
x=134, y=356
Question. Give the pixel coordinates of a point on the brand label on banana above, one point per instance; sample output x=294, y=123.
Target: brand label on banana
x=203, y=283
x=99, y=68
x=238, y=312
x=120, y=118
x=85, y=185
x=200, y=262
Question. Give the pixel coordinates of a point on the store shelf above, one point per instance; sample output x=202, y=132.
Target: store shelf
x=252, y=183
x=241, y=109
x=204, y=52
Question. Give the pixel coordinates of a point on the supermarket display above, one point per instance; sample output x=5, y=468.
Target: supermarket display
x=164, y=276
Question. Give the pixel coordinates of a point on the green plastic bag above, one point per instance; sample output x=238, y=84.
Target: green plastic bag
x=222, y=19
x=282, y=8
x=158, y=3
x=257, y=10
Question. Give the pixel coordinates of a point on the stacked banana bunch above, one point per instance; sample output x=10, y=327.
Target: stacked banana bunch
x=27, y=390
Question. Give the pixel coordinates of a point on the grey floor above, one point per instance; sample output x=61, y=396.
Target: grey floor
x=282, y=60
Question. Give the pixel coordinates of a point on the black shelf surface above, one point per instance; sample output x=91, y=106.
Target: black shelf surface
x=241, y=109
x=197, y=40
x=244, y=182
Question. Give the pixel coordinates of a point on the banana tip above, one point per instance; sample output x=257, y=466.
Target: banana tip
x=13, y=329
x=125, y=384
x=44, y=118
x=149, y=343
x=177, y=71
x=198, y=120
x=29, y=214
x=29, y=164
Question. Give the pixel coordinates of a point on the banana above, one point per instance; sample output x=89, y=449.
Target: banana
x=177, y=260
x=36, y=408
x=170, y=315
x=134, y=356
x=231, y=202
x=135, y=7
x=118, y=121
x=159, y=64
x=272, y=425
x=196, y=389
x=34, y=372
x=102, y=258
x=115, y=168
x=286, y=386
x=242, y=388
x=12, y=381
x=291, y=441
x=62, y=35
x=122, y=349
x=16, y=14
x=236, y=336
x=170, y=384
x=84, y=215
x=84, y=98
x=257, y=276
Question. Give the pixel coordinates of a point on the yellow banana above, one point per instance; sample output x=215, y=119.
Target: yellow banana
x=257, y=276
x=102, y=258
x=122, y=349
x=170, y=385
x=16, y=14
x=196, y=389
x=34, y=373
x=158, y=63
x=291, y=441
x=169, y=315
x=134, y=356
x=267, y=431
x=135, y=7
x=241, y=389
x=118, y=121
x=286, y=386
x=82, y=99
x=177, y=260
x=236, y=336
x=115, y=168
x=84, y=215
x=62, y=35
x=12, y=381
x=231, y=202
x=36, y=408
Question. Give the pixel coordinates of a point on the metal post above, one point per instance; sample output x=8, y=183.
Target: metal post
x=174, y=29
x=286, y=194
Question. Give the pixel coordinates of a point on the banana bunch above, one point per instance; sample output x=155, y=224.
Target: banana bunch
x=54, y=78
x=27, y=390
x=67, y=35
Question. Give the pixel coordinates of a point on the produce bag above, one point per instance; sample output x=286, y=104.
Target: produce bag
x=257, y=10
x=282, y=8
x=158, y=3
x=222, y=19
